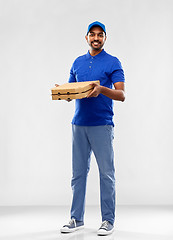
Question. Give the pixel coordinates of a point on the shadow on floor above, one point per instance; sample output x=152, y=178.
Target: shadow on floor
x=86, y=234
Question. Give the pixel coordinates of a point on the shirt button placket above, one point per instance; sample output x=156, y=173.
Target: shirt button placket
x=91, y=62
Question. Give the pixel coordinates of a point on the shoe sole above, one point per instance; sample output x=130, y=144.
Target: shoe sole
x=69, y=230
x=104, y=233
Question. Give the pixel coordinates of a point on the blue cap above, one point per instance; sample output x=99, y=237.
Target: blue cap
x=94, y=24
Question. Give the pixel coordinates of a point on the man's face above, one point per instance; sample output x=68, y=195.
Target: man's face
x=96, y=38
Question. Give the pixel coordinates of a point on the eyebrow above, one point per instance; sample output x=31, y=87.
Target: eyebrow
x=98, y=33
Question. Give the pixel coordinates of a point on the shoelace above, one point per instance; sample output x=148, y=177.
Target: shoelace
x=104, y=224
x=72, y=221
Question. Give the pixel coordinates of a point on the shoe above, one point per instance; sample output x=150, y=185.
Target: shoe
x=73, y=225
x=105, y=229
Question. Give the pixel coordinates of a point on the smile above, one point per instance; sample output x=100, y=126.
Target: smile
x=95, y=43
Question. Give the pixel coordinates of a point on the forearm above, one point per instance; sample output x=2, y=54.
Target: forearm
x=114, y=94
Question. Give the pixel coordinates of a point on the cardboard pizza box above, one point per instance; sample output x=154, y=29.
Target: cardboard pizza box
x=75, y=90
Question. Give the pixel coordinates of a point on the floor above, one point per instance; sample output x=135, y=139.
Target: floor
x=43, y=223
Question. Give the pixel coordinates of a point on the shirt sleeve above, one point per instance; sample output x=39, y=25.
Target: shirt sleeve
x=72, y=76
x=117, y=73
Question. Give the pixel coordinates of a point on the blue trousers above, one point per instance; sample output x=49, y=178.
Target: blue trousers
x=98, y=139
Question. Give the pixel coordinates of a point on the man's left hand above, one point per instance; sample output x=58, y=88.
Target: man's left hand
x=96, y=91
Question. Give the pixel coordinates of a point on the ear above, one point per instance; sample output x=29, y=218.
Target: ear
x=86, y=37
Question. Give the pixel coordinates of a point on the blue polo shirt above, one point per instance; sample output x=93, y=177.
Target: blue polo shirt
x=95, y=111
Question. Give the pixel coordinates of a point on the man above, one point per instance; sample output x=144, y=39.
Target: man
x=92, y=128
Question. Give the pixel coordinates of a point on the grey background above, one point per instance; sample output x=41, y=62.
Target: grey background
x=39, y=40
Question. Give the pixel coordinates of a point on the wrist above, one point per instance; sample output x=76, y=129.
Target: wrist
x=101, y=89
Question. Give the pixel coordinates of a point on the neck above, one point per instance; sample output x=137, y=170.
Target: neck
x=94, y=52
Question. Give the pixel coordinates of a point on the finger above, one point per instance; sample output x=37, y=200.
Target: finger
x=93, y=84
x=90, y=94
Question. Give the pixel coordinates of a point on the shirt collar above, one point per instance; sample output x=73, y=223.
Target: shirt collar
x=102, y=53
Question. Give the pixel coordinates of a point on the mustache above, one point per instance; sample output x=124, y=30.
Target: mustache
x=97, y=41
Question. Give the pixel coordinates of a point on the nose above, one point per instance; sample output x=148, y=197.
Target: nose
x=95, y=37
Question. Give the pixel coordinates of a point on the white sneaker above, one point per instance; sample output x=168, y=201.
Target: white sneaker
x=72, y=226
x=105, y=229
